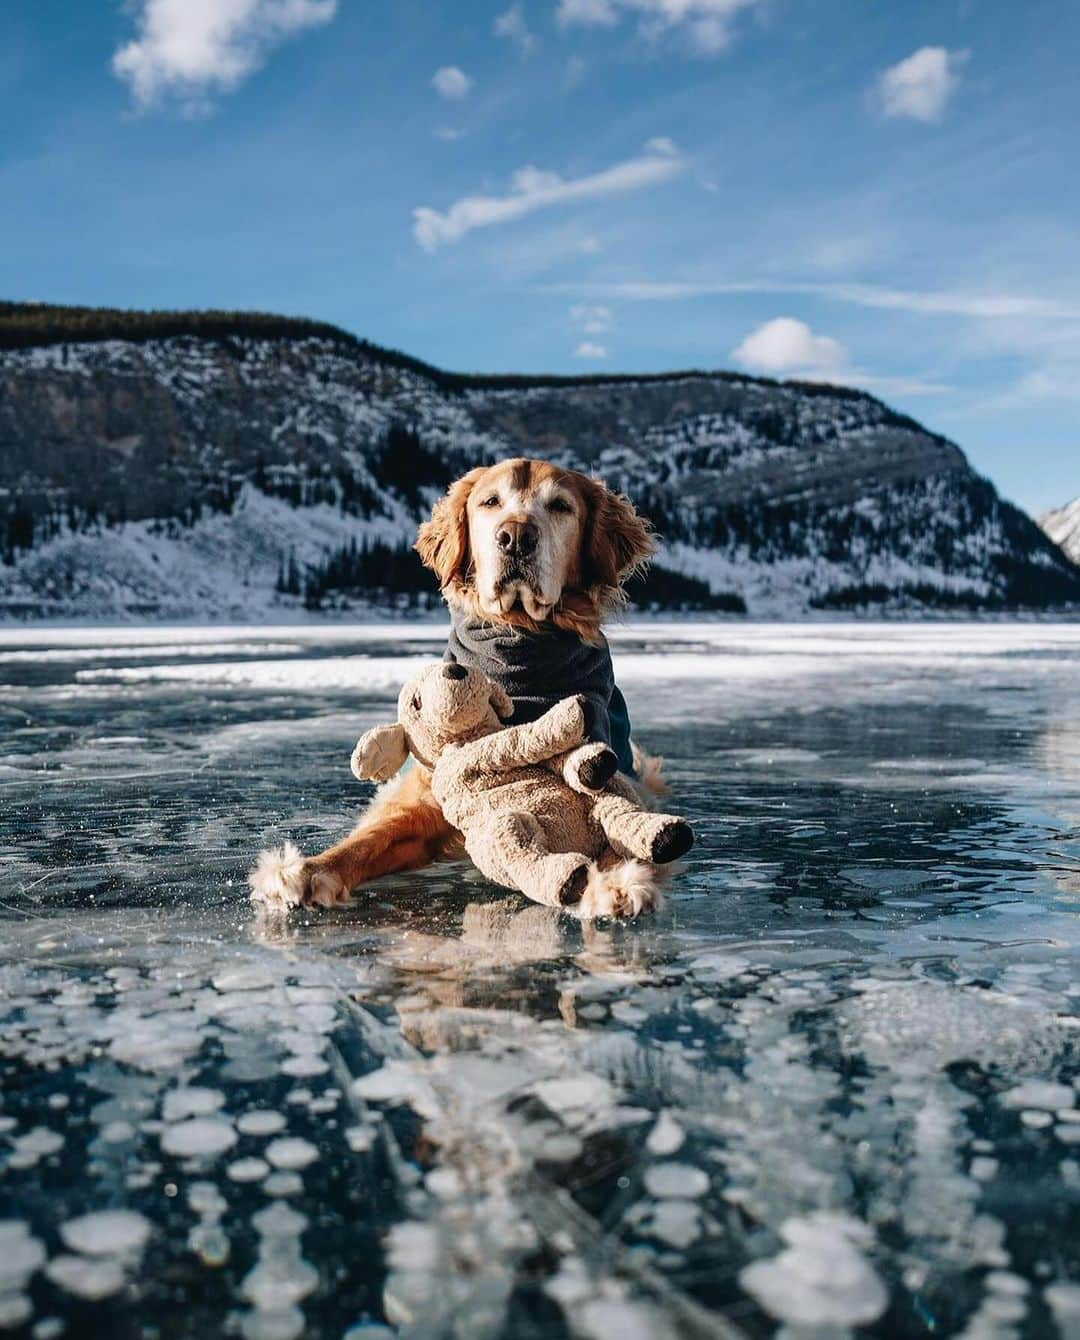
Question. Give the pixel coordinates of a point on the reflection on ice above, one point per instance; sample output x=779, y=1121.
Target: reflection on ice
x=833, y=1085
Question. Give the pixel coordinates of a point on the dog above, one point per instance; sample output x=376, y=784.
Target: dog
x=520, y=548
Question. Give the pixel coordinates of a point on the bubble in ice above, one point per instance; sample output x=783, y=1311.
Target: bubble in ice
x=676, y=1222
x=106, y=1233
x=666, y=1136
x=198, y=1137
x=303, y=1066
x=36, y=1144
x=682, y=1180
x=291, y=1152
x=15, y=1309
x=279, y=1221
x=1039, y=1093
x=191, y=1102
x=280, y=1323
x=262, y=1121
x=247, y=1170
x=86, y=1277
x=283, y=1184
x=244, y=977
x=360, y=1138
x=20, y=1255
x=822, y=1278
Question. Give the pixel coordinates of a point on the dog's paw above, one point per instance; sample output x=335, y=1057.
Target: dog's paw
x=624, y=891
x=281, y=878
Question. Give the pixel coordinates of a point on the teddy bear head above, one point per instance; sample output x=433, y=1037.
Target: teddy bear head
x=444, y=703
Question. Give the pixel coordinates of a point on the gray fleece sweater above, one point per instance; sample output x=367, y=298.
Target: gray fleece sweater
x=538, y=669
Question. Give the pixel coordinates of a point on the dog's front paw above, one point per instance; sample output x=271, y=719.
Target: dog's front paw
x=281, y=878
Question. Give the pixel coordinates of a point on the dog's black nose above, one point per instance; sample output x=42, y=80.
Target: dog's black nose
x=518, y=538
x=454, y=671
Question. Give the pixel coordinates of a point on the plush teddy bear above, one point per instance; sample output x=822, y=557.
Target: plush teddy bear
x=531, y=800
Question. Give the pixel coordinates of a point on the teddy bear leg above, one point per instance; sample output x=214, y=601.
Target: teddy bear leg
x=588, y=767
x=634, y=832
x=514, y=845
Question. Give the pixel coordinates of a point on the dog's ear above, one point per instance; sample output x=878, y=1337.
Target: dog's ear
x=443, y=540
x=617, y=540
x=500, y=700
x=380, y=753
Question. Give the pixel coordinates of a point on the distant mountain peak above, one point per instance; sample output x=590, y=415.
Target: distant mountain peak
x=1062, y=524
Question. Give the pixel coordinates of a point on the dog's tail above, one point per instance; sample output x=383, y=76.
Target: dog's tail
x=648, y=770
x=277, y=876
x=623, y=890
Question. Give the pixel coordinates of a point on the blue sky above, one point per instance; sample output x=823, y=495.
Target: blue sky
x=886, y=195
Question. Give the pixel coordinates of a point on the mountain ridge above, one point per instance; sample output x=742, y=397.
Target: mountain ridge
x=1062, y=525
x=228, y=464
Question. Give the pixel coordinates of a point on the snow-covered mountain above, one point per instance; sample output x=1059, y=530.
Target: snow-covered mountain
x=1062, y=524
x=221, y=466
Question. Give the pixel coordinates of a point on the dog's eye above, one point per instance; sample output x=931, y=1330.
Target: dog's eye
x=559, y=505
x=417, y=704
x=492, y=501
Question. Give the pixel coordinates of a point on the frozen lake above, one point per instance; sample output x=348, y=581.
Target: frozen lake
x=832, y=1084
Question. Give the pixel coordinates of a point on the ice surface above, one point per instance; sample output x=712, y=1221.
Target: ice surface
x=834, y=1083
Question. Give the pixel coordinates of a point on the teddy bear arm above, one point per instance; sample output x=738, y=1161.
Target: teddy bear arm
x=558, y=730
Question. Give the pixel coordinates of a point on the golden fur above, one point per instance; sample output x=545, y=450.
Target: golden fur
x=591, y=550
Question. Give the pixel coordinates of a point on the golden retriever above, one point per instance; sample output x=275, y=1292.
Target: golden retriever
x=523, y=543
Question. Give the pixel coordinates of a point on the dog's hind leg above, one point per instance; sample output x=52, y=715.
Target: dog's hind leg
x=402, y=829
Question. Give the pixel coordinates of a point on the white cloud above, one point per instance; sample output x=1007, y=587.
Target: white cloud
x=919, y=86
x=593, y=318
x=785, y=347
x=596, y=13
x=590, y=246
x=533, y=189
x=705, y=23
x=660, y=144
x=448, y=133
x=450, y=82
x=196, y=47
x=586, y=349
x=511, y=25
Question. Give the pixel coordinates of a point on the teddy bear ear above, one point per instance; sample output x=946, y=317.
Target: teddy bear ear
x=504, y=708
x=380, y=753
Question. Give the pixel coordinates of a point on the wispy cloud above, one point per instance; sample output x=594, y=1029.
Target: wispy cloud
x=587, y=349
x=919, y=86
x=661, y=144
x=533, y=189
x=933, y=302
x=194, y=48
x=786, y=347
x=593, y=318
x=706, y=24
x=451, y=82
x=511, y=25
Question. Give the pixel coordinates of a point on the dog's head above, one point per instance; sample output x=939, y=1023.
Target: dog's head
x=526, y=541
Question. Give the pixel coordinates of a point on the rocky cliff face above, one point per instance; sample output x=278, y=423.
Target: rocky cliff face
x=1062, y=525
x=197, y=476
